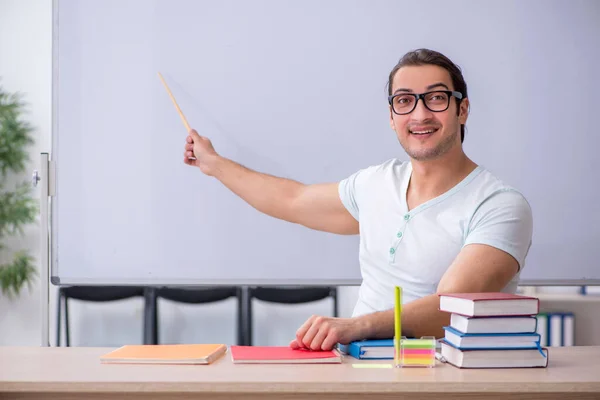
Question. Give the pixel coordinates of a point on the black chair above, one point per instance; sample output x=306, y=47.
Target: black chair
x=200, y=295
x=89, y=293
x=287, y=295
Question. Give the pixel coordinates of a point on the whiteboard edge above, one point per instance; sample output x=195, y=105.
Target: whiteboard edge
x=54, y=136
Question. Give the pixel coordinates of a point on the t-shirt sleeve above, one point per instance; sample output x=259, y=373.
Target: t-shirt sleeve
x=348, y=189
x=505, y=221
x=353, y=189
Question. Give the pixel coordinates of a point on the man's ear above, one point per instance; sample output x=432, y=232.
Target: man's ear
x=463, y=111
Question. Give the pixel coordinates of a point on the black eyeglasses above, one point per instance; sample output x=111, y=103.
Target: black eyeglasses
x=437, y=101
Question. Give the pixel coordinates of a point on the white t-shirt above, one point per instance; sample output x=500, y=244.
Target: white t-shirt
x=413, y=249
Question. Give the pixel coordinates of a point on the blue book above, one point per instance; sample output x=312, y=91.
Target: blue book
x=381, y=349
x=470, y=341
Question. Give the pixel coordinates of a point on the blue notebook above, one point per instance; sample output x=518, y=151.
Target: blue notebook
x=382, y=349
x=471, y=341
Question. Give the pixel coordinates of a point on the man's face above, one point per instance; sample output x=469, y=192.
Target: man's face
x=425, y=134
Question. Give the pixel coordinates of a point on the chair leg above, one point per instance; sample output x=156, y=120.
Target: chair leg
x=58, y=319
x=240, y=339
x=335, y=302
x=67, y=335
x=249, y=321
x=150, y=316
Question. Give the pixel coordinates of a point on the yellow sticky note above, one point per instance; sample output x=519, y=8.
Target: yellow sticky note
x=372, y=365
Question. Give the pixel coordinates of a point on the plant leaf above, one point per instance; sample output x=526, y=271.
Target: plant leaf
x=17, y=207
x=15, y=275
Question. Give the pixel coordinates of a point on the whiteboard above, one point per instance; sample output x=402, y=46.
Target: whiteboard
x=297, y=89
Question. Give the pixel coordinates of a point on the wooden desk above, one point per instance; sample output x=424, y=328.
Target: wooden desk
x=69, y=373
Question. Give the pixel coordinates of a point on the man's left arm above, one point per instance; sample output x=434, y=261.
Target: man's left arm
x=422, y=317
x=495, y=248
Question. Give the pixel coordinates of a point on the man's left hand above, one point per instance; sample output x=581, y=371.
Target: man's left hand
x=323, y=333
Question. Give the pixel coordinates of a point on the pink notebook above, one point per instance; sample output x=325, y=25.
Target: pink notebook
x=281, y=355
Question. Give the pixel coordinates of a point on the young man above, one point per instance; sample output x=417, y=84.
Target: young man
x=438, y=223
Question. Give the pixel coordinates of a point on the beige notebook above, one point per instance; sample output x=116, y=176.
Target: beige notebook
x=165, y=354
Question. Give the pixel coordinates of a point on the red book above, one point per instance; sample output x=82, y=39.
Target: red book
x=281, y=355
x=489, y=304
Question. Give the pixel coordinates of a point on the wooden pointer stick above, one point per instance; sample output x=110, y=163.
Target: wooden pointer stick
x=187, y=126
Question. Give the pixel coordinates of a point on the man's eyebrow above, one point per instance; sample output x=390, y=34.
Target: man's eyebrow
x=435, y=85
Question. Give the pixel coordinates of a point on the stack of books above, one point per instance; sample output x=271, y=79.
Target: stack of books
x=492, y=330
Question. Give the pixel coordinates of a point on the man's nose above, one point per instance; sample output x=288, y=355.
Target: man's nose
x=421, y=112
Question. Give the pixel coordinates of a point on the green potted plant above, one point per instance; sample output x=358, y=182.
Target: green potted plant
x=17, y=207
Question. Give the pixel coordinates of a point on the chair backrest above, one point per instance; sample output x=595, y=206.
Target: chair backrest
x=101, y=293
x=198, y=295
x=192, y=295
x=292, y=295
x=92, y=294
x=286, y=295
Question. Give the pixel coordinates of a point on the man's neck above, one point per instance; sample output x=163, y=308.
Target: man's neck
x=432, y=178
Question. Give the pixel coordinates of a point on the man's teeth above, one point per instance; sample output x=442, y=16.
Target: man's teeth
x=423, y=132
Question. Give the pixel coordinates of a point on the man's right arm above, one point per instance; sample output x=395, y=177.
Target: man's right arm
x=316, y=206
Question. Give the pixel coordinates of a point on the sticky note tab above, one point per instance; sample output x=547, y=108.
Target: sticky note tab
x=374, y=366
x=418, y=343
x=417, y=352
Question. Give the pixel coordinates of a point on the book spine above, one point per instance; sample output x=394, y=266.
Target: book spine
x=555, y=336
x=542, y=328
x=355, y=351
x=568, y=330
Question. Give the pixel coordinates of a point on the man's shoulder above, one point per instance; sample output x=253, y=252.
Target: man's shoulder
x=392, y=167
x=489, y=187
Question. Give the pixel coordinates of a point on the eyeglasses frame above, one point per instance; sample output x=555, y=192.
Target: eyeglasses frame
x=450, y=93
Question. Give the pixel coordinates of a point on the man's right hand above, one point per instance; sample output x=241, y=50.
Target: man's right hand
x=316, y=206
x=199, y=152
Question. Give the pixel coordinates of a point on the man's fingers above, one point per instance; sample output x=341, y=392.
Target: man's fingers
x=194, y=134
x=189, y=146
x=330, y=341
x=312, y=332
x=303, y=329
x=317, y=341
x=294, y=344
x=189, y=139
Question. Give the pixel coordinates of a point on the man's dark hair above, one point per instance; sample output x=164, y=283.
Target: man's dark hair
x=431, y=57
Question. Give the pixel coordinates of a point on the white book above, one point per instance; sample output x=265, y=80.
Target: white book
x=555, y=330
x=522, y=358
x=489, y=304
x=542, y=329
x=493, y=324
x=568, y=330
